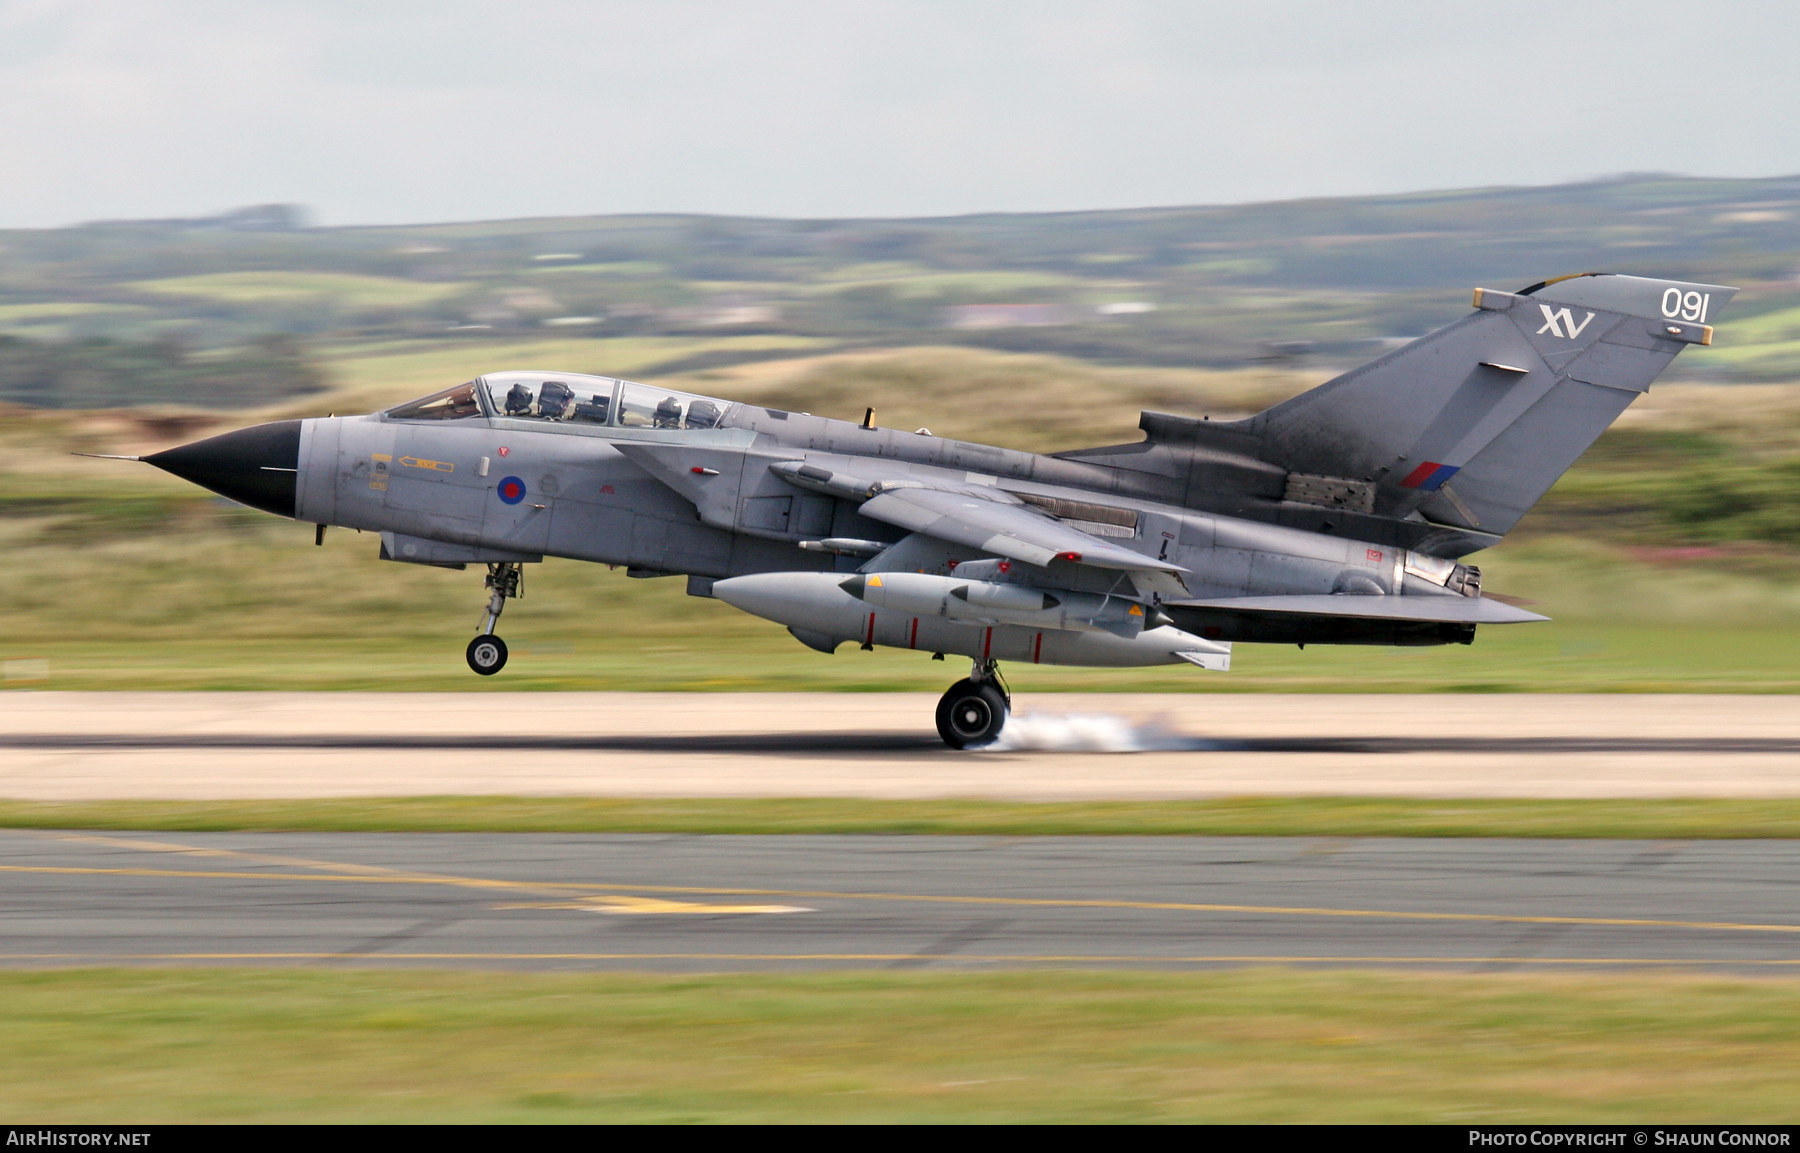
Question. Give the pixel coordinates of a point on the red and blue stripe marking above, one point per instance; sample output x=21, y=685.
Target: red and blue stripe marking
x=1430, y=476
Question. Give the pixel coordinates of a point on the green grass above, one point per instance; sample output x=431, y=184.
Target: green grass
x=1264, y=1045
x=1658, y=819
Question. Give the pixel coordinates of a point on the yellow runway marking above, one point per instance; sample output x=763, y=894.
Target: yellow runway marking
x=384, y=875
x=917, y=898
x=240, y=855
x=650, y=905
x=231, y=875
x=981, y=958
x=380, y=872
x=596, y=904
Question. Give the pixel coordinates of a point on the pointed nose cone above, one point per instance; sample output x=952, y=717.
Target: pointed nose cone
x=257, y=466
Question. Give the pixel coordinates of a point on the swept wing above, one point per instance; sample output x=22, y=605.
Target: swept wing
x=1009, y=530
x=986, y=520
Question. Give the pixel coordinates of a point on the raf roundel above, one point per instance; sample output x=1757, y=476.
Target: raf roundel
x=511, y=490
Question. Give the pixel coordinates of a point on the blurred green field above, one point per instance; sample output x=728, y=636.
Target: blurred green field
x=915, y=281
x=346, y=289
x=260, y=608
x=178, y=591
x=1257, y=1046
x=59, y=310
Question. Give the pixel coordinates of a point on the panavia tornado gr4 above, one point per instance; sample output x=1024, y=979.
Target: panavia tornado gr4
x=1341, y=516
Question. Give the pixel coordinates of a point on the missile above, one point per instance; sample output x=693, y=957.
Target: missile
x=823, y=614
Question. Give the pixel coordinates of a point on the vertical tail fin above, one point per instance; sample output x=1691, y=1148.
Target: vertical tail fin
x=1471, y=425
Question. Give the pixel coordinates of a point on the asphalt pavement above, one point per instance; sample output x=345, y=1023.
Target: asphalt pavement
x=707, y=903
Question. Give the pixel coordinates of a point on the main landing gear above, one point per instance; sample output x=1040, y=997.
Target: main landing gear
x=974, y=711
x=487, y=652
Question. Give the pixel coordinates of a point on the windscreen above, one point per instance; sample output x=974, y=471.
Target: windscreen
x=450, y=404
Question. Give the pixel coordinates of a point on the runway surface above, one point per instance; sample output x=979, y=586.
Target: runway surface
x=98, y=746
x=687, y=903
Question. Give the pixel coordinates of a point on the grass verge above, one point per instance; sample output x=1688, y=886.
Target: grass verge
x=1259, y=1045
x=1655, y=819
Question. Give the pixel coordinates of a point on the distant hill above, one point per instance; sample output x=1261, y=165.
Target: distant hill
x=1319, y=283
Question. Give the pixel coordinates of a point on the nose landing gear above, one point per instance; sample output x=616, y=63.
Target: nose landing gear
x=487, y=653
x=972, y=713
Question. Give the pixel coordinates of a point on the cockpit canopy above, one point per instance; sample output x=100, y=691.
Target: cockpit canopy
x=568, y=398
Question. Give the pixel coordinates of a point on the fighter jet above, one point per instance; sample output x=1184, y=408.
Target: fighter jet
x=1341, y=516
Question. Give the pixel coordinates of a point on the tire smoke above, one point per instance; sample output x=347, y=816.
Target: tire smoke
x=1092, y=733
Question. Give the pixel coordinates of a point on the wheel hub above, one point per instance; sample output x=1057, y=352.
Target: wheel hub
x=973, y=718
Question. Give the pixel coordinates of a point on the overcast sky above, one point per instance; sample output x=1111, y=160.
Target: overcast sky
x=384, y=111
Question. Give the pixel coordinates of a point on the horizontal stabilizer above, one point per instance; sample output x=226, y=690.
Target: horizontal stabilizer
x=1439, y=609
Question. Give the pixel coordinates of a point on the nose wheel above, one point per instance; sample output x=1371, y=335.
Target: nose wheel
x=972, y=713
x=487, y=654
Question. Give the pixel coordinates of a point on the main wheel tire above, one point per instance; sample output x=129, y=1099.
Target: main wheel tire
x=971, y=715
x=487, y=654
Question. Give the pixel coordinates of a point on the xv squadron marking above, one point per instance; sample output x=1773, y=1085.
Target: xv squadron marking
x=1561, y=323
x=1342, y=516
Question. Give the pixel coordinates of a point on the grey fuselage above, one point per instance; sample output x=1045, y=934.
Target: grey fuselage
x=433, y=485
